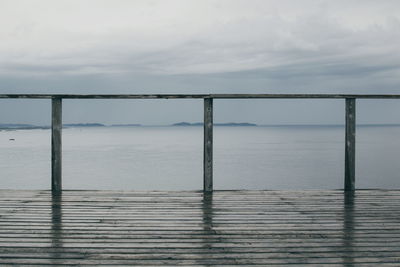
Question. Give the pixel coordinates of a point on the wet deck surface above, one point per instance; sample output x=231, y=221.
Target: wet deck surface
x=227, y=228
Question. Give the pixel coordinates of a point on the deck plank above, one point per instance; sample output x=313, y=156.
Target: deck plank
x=225, y=228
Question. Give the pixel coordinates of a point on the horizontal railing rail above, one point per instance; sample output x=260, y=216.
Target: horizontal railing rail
x=56, y=126
x=200, y=96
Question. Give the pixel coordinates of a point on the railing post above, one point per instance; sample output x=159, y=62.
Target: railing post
x=350, y=146
x=56, y=126
x=208, y=145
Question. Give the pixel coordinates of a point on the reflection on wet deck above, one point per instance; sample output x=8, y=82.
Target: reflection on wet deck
x=262, y=228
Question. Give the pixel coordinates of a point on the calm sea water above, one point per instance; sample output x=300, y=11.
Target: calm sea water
x=170, y=158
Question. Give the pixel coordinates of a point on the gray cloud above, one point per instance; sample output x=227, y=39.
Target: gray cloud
x=232, y=36
x=233, y=46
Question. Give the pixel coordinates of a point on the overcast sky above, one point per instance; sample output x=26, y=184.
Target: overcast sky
x=207, y=46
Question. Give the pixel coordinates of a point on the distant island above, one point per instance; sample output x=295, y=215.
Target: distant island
x=83, y=125
x=24, y=126
x=216, y=124
x=20, y=126
x=126, y=125
x=184, y=123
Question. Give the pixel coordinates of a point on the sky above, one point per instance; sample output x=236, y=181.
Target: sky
x=196, y=47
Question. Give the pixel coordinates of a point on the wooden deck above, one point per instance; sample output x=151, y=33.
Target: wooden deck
x=225, y=228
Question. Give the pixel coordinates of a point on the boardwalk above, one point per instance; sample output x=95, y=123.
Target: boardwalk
x=225, y=228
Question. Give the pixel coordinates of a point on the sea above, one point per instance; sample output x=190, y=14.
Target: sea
x=170, y=158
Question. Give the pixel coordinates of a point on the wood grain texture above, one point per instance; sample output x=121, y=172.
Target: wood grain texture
x=192, y=228
x=208, y=146
x=199, y=96
x=350, y=146
x=56, y=145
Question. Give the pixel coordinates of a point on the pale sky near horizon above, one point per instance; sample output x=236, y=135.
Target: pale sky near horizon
x=208, y=46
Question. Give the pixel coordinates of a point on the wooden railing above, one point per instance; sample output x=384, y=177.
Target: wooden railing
x=56, y=126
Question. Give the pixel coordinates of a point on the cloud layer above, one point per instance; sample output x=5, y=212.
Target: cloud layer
x=199, y=37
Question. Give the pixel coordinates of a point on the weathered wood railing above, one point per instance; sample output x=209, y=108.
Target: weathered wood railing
x=56, y=126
